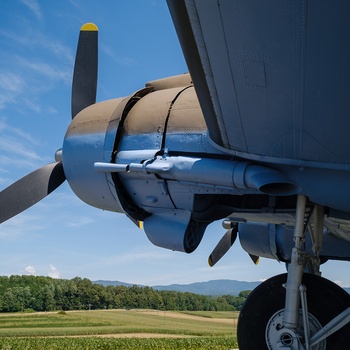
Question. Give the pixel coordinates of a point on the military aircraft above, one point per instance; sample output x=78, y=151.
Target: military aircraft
x=256, y=134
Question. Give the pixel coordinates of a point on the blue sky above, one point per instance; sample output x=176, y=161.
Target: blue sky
x=62, y=236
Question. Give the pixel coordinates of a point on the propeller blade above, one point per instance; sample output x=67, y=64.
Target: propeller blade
x=30, y=189
x=223, y=246
x=255, y=259
x=85, y=69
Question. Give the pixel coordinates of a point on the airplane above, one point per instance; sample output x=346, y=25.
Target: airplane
x=254, y=135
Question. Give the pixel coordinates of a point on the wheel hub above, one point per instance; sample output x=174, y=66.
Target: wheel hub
x=278, y=337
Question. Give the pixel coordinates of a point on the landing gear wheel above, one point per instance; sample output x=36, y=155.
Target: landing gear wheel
x=264, y=307
x=275, y=336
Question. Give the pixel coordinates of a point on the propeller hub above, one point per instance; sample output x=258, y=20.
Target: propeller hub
x=58, y=155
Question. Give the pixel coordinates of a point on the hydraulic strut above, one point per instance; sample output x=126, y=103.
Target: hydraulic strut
x=295, y=270
x=296, y=291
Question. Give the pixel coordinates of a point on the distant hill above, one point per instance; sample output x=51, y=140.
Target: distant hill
x=115, y=283
x=215, y=287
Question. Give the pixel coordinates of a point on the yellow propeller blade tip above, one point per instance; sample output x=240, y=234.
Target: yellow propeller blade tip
x=255, y=259
x=140, y=225
x=89, y=27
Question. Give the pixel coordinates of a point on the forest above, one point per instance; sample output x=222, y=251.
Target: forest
x=39, y=293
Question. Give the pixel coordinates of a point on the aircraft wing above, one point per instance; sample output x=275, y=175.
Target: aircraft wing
x=272, y=77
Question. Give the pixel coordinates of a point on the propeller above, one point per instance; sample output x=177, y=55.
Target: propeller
x=30, y=189
x=35, y=186
x=224, y=244
x=255, y=259
x=85, y=69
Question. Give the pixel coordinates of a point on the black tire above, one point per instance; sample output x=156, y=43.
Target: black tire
x=325, y=301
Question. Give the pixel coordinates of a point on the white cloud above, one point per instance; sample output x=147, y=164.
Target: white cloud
x=13, y=146
x=140, y=254
x=54, y=272
x=18, y=149
x=38, y=40
x=54, y=73
x=11, y=82
x=17, y=144
x=121, y=60
x=17, y=132
x=34, y=6
x=11, y=86
x=30, y=270
x=59, y=50
x=78, y=222
x=20, y=226
x=32, y=105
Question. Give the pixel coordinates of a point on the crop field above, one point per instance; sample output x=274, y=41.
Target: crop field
x=118, y=329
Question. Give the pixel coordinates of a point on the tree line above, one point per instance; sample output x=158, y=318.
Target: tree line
x=39, y=293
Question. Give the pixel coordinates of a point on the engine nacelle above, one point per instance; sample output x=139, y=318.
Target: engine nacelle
x=144, y=123
x=276, y=242
x=149, y=155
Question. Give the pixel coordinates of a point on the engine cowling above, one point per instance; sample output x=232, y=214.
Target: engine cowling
x=84, y=144
x=149, y=155
x=142, y=125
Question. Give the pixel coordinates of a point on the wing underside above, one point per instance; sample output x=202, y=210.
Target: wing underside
x=271, y=77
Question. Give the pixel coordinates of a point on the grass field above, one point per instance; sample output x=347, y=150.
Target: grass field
x=118, y=329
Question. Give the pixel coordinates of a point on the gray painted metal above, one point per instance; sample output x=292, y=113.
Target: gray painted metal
x=30, y=189
x=84, y=84
x=277, y=75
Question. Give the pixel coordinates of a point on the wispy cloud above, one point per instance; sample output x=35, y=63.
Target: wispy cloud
x=11, y=82
x=37, y=40
x=121, y=60
x=34, y=6
x=79, y=222
x=17, y=150
x=33, y=62
x=53, y=273
x=49, y=71
x=141, y=254
x=9, y=164
x=11, y=86
x=35, y=107
x=59, y=50
x=77, y=4
x=20, y=225
x=30, y=270
x=14, y=87
x=16, y=132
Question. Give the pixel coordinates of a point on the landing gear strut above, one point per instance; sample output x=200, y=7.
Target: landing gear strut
x=297, y=311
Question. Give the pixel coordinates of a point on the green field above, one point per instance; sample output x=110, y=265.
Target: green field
x=118, y=329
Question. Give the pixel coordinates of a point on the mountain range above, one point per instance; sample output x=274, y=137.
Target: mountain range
x=214, y=287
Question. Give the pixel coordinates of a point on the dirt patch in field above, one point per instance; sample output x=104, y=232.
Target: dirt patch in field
x=143, y=335
x=189, y=317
